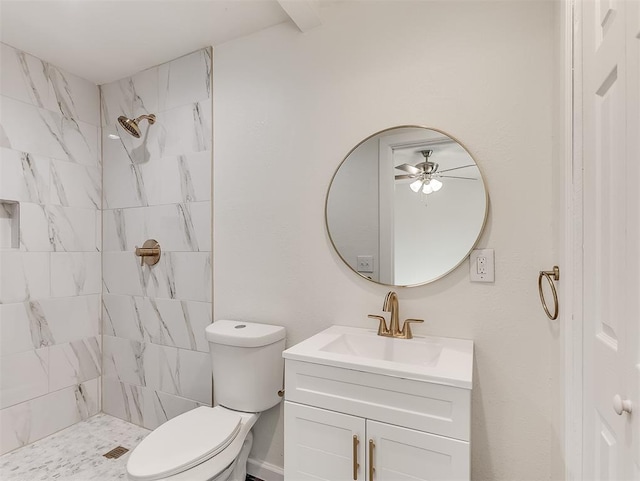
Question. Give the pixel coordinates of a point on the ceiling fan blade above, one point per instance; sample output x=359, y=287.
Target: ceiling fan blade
x=406, y=176
x=408, y=168
x=455, y=177
x=456, y=168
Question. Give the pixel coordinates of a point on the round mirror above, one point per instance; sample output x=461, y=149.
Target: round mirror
x=406, y=206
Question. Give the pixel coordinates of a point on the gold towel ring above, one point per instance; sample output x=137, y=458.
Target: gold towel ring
x=551, y=276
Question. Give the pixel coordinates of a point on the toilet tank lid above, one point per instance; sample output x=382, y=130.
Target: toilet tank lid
x=243, y=334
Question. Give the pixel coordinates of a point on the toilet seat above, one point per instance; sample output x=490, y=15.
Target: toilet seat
x=184, y=442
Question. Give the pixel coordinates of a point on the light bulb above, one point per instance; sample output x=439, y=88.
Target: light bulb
x=435, y=184
x=415, y=185
x=427, y=189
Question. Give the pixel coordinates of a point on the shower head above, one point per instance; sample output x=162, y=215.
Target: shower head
x=131, y=125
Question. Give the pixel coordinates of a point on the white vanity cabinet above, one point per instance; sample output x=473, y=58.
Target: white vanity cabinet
x=359, y=406
x=393, y=429
x=325, y=445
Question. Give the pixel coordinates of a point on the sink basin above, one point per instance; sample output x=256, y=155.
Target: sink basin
x=435, y=359
x=421, y=352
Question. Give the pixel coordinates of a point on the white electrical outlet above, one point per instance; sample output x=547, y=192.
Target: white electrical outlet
x=365, y=263
x=481, y=265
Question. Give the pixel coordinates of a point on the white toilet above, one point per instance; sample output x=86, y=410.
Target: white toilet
x=213, y=444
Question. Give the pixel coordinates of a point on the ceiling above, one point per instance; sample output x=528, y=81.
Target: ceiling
x=106, y=40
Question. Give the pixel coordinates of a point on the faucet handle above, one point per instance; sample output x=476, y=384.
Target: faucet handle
x=383, y=330
x=406, y=328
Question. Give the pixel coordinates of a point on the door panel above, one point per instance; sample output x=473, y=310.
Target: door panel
x=404, y=454
x=611, y=220
x=319, y=444
x=632, y=363
x=606, y=446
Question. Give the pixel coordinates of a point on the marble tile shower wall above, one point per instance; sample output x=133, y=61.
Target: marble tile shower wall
x=155, y=355
x=50, y=282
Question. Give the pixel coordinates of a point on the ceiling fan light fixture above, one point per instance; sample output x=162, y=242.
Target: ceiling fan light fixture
x=416, y=185
x=427, y=189
x=435, y=184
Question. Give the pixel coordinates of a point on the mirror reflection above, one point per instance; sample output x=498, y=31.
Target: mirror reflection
x=406, y=206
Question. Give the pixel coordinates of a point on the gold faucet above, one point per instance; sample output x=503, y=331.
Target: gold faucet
x=391, y=305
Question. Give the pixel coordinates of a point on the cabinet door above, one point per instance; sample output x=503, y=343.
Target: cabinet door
x=401, y=454
x=319, y=444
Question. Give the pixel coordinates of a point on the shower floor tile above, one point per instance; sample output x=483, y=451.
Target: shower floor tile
x=75, y=453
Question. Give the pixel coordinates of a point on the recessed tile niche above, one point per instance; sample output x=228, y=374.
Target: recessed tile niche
x=9, y=224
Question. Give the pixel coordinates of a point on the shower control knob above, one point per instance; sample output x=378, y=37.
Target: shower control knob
x=620, y=406
x=149, y=253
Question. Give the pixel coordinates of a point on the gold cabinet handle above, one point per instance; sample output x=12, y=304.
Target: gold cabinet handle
x=355, y=457
x=371, y=468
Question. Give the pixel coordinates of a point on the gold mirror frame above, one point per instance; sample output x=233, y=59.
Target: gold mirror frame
x=458, y=263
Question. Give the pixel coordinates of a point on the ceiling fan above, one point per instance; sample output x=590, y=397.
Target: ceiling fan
x=426, y=174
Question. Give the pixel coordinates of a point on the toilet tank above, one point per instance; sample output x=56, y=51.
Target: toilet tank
x=247, y=364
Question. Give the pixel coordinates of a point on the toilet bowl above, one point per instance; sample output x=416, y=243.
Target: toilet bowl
x=199, y=444
x=213, y=443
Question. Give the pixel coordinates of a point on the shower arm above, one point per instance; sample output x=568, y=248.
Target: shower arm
x=150, y=118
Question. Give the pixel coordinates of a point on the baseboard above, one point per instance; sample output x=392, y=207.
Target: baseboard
x=264, y=471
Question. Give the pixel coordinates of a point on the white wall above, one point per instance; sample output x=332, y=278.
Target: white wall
x=353, y=208
x=567, y=455
x=289, y=106
x=156, y=362
x=50, y=282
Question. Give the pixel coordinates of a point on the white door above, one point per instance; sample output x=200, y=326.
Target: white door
x=611, y=182
x=632, y=364
x=401, y=454
x=319, y=445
